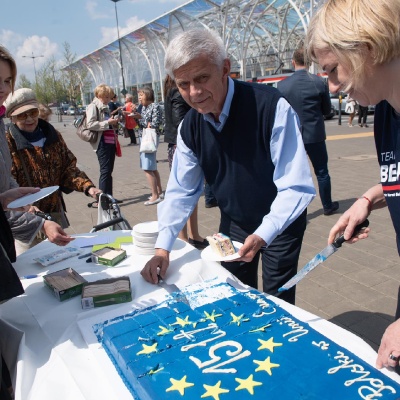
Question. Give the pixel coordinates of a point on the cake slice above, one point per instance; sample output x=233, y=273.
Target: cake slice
x=221, y=244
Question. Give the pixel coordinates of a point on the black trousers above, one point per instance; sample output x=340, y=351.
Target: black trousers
x=106, y=156
x=279, y=259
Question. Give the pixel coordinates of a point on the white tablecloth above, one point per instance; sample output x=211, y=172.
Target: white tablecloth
x=53, y=359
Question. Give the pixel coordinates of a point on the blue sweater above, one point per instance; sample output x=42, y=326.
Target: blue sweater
x=237, y=161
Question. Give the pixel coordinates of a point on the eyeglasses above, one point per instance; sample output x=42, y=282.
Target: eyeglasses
x=31, y=113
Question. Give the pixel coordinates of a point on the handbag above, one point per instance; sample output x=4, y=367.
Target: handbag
x=118, y=150
x=148, y=143
x=84, y=132
x=349, y=108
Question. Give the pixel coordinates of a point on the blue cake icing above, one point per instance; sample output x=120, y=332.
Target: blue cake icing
x=232, y=345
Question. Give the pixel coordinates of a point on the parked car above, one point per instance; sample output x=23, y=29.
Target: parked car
x=71, y=110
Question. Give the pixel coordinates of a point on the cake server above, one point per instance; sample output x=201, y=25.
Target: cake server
x=320, y=258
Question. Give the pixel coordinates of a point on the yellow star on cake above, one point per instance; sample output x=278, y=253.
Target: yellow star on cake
x=164, y=331
x=182, y=322
x=268, y=344
x=265, y=365
x=248, y=384
x=148, y=349
x=211, y=316
x=180, y=385
x=238, y=319
x=214, y=391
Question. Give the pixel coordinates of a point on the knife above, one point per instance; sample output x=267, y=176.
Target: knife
x=172, y=288
x=320, y=258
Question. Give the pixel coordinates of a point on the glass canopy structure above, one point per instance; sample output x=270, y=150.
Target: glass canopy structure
x=259, y=35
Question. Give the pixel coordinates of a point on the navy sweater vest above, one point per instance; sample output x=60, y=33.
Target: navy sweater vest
x=237, y=161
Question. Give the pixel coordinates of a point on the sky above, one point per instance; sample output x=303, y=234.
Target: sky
x=40, y=27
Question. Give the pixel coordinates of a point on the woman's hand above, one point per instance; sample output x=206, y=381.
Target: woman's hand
x=55, y=233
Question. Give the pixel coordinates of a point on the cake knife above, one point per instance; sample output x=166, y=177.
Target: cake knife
x=320, y=258
x=172, y=288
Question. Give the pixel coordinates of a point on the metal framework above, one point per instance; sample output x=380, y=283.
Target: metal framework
x=259, y=35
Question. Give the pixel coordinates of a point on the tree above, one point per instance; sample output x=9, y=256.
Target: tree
x=23, y=82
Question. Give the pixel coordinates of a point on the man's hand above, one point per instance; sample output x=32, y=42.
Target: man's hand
x=12, y=194
x=157, y=265
x=251, y=246
x=389, y=350
x=55, y=233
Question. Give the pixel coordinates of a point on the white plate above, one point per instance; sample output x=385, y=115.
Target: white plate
x=208, y=254
x=31, y=198
x=146, y=228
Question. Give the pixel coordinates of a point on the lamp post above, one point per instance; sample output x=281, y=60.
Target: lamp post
x=34, y=66
x=123, y=91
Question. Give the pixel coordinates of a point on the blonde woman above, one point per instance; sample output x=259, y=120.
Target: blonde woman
x=99, y=119
x=357, y=43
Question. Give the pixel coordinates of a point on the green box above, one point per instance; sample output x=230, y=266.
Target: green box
x=115, y=291
x=108, y=255
x=65, y=283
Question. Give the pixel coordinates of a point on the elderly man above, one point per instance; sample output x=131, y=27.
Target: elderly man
x=244, y=139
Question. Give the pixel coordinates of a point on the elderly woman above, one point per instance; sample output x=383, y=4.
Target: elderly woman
x=40, y=157
x=24, y=226
x=99, y=119
x=150, y=117
x=357, y=43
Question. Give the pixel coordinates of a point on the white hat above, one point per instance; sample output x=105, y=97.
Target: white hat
x=20, y=101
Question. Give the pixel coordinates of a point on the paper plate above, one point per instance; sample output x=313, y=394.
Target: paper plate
x=31, y=198
x=146, y=228
x=208, y=254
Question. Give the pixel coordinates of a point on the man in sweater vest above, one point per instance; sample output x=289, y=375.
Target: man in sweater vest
x=244, y=139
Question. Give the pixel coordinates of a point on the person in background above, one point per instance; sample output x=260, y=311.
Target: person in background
x=44, y=112
x=350, y=109
x=130, y=122
x=99, y=119
x=114, y=106
x=308, y=94
x=357, y=43
x=41, y=158
x=175, y=109
x=244, y=139
x=362, y=116
x=150, y=117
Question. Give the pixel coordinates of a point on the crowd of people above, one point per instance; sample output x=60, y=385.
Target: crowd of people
x=248, y=142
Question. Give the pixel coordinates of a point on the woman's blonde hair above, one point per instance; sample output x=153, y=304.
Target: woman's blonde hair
x=103, y=90
x=353, y=28
x=8, y=58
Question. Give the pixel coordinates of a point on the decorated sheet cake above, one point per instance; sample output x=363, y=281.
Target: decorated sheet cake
x=228, y=344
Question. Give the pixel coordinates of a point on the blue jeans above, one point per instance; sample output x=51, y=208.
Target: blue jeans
x=106, y=156
x=319, y=160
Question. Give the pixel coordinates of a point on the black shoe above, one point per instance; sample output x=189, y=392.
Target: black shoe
x=211, y=204
x=199, y=245
x=334, y=207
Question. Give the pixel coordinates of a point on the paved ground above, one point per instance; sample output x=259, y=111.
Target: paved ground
x=355, y=288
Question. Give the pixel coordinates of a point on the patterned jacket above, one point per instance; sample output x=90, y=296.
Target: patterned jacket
x=50, y=165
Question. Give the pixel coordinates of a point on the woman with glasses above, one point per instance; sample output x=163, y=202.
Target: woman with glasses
x=40, y=157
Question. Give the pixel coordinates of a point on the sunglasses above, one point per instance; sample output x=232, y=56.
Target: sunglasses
x=31, y=113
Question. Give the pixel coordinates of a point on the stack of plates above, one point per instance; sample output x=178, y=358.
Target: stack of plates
x=144, y=237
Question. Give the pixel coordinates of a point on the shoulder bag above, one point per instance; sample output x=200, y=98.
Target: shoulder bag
x=148, y=143
x=84, y=132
